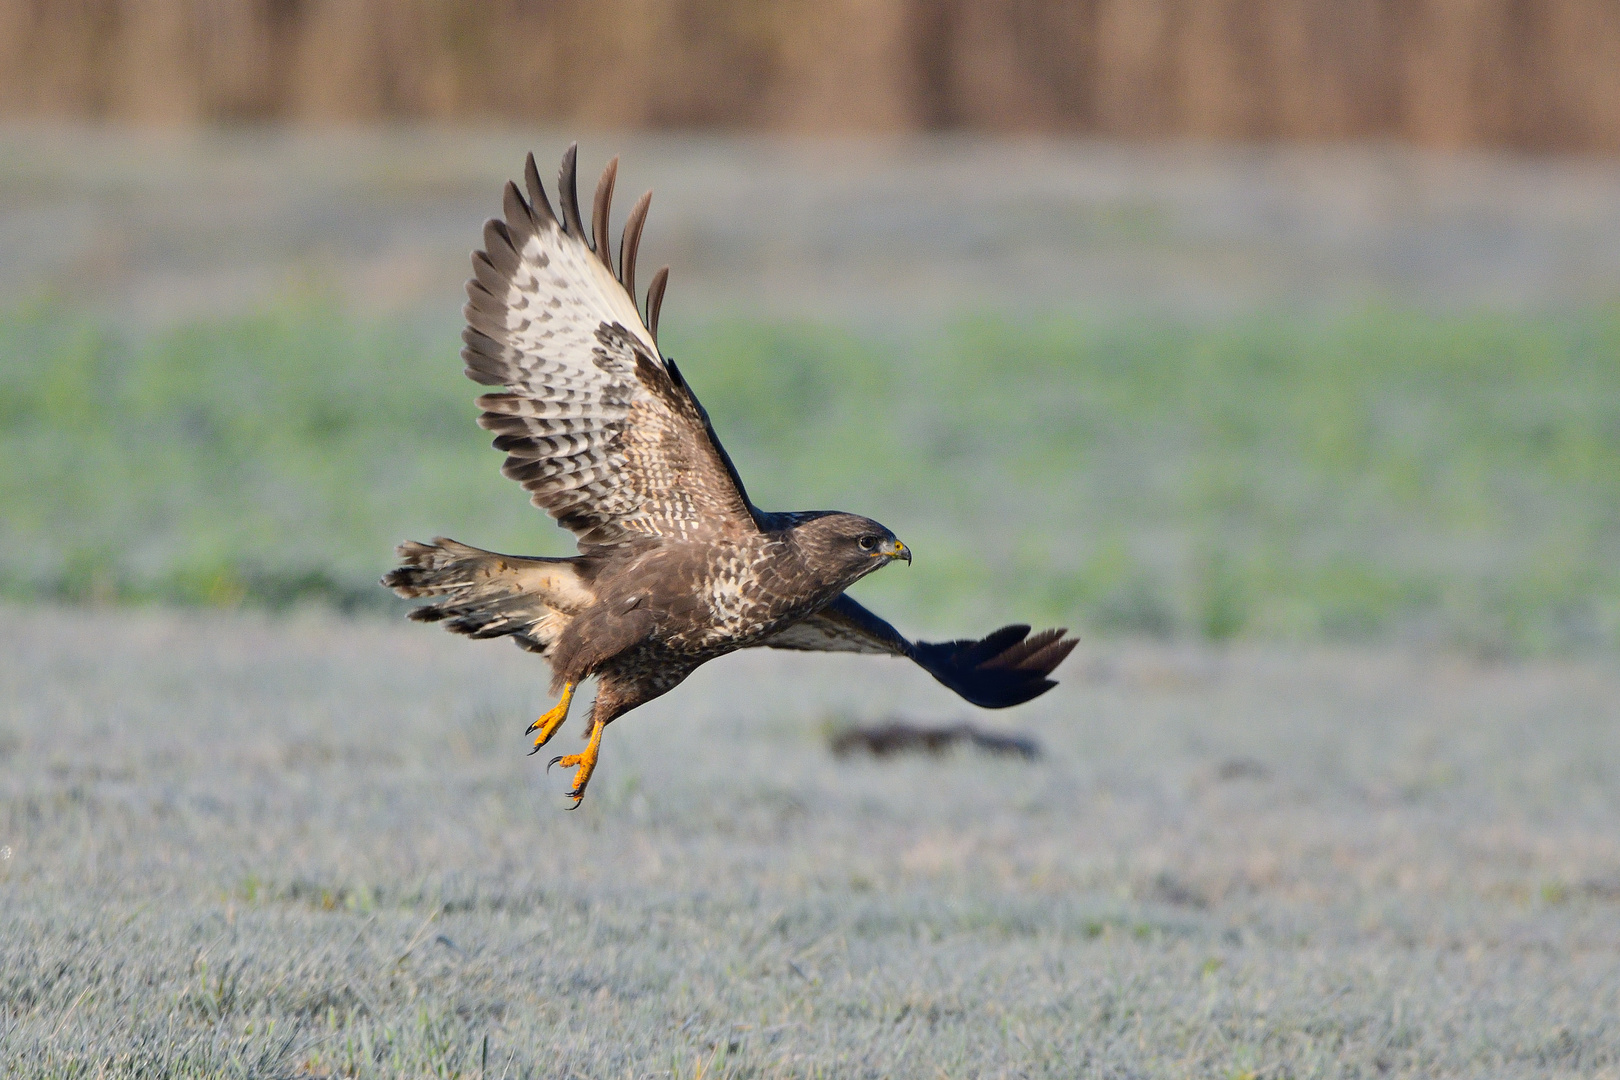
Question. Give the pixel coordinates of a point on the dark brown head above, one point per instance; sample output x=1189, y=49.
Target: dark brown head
x=840, y=549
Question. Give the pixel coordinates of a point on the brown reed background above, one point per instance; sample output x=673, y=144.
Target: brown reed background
x=1533, y=74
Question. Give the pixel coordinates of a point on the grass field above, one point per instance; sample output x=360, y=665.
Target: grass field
x=244, y=845
x=1441, y=479
x=1331, y=788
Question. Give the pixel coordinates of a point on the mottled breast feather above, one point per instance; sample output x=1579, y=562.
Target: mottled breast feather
x=598, y=428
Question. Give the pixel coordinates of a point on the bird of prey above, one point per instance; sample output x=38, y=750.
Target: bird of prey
x=676, y=566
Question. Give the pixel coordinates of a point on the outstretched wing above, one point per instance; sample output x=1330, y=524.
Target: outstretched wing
x=597, y=426
x=1009, y=667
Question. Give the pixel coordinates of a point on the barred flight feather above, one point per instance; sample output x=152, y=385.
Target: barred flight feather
x=593, y=425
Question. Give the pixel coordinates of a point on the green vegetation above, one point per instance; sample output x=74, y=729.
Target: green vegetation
x=1388, y=475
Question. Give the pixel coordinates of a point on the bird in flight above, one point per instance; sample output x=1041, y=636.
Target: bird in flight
x=676, y=565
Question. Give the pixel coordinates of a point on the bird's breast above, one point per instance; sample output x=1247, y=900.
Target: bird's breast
x=748, y=590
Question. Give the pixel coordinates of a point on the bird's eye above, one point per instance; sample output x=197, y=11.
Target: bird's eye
x=868, y=543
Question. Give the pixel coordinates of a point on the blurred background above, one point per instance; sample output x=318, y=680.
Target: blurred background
x=1287, y=320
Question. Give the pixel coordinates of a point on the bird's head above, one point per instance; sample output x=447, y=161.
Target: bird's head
x=843, y=548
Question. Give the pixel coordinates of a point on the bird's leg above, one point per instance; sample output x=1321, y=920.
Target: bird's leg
x=548, y=724
x=585, y=761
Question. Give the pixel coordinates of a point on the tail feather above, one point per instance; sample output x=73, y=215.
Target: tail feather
x=484, y=595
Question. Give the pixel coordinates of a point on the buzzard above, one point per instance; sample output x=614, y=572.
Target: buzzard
x=676, y=566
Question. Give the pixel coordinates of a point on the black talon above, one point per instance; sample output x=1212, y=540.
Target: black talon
x=552, y=762
x=535, y=751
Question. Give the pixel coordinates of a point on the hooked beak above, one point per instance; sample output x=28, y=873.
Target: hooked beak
x=894, y=549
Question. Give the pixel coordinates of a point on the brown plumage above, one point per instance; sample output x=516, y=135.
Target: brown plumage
x=676, y=565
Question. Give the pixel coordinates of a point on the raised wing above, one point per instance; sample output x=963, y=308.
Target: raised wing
x=1009, y=667
x=600, y=430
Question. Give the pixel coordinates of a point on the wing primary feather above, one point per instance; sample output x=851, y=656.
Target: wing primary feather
x=568, y=193
x=488, y=274
x=518, y=214
x=975, y=653
x=1026, y=654
x=600, y=209
x=537, y=192
x=655, y=301
x=630, y=243
x=1051, y=654
x=499, y=245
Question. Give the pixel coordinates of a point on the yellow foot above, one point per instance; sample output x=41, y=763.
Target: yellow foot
x=586, y=762
x=548, y=724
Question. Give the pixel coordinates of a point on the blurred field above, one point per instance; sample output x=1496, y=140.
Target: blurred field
x=232, y=845
x=1448, y=480
x=149, y=228
x=1189, y=393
